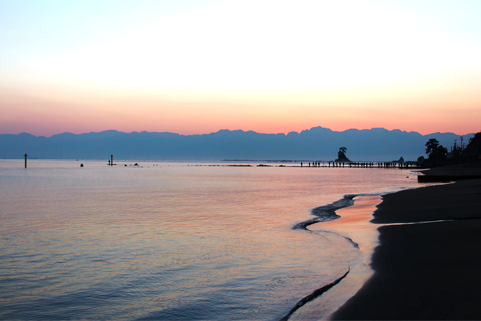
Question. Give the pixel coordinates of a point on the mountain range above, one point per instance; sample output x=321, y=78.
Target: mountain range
x=318, y=143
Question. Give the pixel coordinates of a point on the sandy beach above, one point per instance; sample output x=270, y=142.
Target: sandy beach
x=428, y=269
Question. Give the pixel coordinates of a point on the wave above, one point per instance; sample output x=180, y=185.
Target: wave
x=327, y=212
x=314, y=295
x=324, y=213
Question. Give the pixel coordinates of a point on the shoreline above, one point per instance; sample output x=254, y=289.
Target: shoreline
x=426, y=266
x=348, y=218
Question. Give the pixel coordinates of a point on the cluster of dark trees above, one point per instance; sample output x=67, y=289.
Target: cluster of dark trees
x=435, y=151
x=438, y=154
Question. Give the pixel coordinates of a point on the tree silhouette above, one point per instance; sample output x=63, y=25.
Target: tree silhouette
x=342, y=152
x=341, y=155
x=432, y=146
x=434, y=150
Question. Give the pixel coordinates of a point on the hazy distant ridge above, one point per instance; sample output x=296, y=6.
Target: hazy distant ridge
x=314, y=144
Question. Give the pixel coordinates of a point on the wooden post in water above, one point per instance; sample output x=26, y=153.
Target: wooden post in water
x=25, y=160
x=111, y=160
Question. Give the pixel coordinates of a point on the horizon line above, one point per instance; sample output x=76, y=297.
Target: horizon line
x=237, y=130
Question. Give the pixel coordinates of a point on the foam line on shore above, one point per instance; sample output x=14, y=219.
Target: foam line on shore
x=314, y=295
x=327, y=212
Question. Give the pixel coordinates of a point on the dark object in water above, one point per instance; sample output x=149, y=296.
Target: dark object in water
x=81, y=165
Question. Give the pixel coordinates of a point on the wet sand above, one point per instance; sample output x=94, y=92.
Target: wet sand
x=353, y=225
x=430, y=269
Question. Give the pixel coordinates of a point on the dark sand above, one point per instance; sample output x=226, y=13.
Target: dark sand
x=429, y=270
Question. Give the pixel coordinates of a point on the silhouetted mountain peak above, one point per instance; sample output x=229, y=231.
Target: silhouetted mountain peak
x=317, y=143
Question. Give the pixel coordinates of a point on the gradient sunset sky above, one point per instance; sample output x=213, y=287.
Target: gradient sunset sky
x=195, y=67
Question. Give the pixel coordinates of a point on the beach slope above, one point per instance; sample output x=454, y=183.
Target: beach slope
x=429, y=269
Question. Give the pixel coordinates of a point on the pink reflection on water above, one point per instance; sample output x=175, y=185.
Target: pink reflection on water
x=354, y=224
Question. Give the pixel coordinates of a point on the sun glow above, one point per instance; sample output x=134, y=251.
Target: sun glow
x=251, y=65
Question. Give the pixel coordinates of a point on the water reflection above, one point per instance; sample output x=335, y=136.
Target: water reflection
x=165, y=241
x=354, y=224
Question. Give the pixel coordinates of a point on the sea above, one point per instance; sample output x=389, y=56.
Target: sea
x=146, y=240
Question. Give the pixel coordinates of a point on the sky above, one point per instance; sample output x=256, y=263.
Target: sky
x=195, y=67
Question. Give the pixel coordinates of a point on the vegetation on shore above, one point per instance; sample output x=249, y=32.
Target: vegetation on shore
x=438, y=155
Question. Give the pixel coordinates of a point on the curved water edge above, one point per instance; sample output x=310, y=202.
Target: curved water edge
x=314, y=295
x=324, y=213
x=327, y=213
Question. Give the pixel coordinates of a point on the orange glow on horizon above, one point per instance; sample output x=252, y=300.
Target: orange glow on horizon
x=42, y=117
x=171, y=68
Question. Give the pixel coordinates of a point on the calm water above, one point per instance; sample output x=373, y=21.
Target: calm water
x=169, y=241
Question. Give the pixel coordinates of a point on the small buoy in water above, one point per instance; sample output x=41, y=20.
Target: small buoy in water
x=81, y=165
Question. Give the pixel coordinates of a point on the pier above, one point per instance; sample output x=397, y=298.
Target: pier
x=405, y=165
